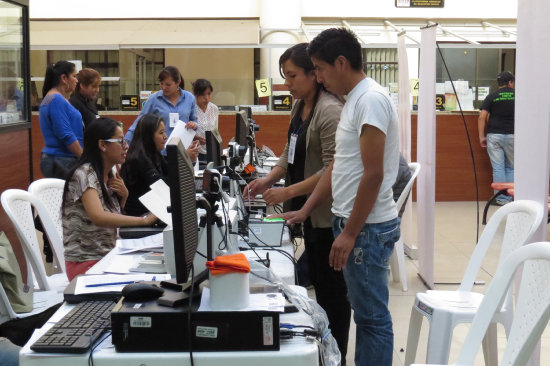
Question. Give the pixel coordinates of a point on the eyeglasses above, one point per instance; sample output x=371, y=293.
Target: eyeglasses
x=122, y=142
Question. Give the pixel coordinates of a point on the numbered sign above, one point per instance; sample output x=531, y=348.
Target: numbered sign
x=282, y=102
x=129, y=102
x=263, y=87
x=414, y=87
x=440, y=102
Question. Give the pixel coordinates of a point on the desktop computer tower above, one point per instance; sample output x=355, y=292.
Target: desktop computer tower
x=149, y=327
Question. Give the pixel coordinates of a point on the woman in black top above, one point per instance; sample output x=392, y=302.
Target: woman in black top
x=144, y=163
x=85, y=94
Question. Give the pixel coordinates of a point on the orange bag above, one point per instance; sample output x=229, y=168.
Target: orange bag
x=229, y=264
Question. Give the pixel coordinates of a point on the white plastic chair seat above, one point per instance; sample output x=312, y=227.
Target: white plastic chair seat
x=452, y=301
x=445, y=309
x=42, y=300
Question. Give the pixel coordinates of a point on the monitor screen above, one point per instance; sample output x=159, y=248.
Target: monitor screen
x=241, y=128
x=181, y=178
x=214, y=147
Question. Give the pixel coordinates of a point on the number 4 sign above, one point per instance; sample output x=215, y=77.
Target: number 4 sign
x=263, y=87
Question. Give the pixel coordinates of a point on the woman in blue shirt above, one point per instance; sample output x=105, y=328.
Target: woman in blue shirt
x=170, y=102
x=60, y=122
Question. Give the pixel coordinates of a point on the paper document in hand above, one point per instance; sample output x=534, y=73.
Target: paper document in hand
x=157, y=206
x=186, y=135
x=145, y=243
x=102, y=283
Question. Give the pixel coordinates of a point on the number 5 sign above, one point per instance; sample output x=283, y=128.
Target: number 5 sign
x=263, y=87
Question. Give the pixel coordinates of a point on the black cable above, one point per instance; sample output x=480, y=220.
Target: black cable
x=468, y=137
x=90, y=357
x=189, y=311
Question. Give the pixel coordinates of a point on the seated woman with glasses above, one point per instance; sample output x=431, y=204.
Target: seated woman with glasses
x=93, y=198
x=145, y=164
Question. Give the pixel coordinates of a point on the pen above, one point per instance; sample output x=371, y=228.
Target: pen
x=110, y=284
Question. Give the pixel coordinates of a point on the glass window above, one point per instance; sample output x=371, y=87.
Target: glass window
x=124, y=72
x=475, y=69
x=12, y=86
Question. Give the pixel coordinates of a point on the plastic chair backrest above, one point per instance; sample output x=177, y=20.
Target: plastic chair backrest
x=532, y=309
x=415, y=169
x=522, y=220
x=49, y=191
x=17, y=204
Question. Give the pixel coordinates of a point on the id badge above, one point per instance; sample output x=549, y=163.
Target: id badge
x=174, y=118
x=292, y=148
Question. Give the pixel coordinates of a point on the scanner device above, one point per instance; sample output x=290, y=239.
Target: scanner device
x=141, y=291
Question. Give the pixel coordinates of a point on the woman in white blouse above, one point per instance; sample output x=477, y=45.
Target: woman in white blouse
x=207, y=112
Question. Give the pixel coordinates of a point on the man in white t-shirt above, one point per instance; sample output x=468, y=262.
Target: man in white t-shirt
x=361, y=176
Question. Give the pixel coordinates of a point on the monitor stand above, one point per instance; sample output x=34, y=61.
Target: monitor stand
x=176, y=294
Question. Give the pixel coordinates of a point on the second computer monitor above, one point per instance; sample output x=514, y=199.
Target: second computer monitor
x=241, y=128
x=214, y=147
x=181, y=178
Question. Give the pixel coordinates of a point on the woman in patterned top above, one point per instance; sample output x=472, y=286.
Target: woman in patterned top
x=93, y=198
x=206, y=112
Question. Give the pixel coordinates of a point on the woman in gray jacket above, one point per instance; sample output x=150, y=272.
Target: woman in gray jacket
x=308, y=152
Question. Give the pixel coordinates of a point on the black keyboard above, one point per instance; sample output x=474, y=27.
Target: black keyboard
x=77, y=331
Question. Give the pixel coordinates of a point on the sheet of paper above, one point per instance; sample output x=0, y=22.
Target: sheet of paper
x=112, y=282
x=154, y=203
x=185, y=134
x=266, y=302
x=134, y=245
x=162, y=189
x=122, y=264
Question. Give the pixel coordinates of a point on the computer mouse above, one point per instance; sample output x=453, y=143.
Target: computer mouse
x=140, y=291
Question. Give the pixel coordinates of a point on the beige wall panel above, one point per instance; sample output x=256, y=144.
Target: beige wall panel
x=230, y=70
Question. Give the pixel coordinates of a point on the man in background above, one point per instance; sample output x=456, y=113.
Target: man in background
x=496, y=130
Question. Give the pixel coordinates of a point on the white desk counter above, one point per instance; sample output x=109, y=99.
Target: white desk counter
x=294, y=352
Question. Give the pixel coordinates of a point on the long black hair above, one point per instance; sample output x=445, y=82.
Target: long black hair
x=100, y=129
x=53, y=74
x=142, y=146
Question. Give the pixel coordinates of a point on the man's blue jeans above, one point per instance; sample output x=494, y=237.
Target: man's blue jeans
x=367, y=274
x=500, y=148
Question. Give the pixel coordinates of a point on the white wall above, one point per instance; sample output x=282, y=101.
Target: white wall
x=125, y=9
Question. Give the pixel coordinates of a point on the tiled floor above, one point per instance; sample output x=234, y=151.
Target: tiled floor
x=455, y=237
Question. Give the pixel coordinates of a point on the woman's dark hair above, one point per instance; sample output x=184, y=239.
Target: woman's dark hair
x=299, y=57
x=101, y=129
x=142, y=146
x=200, y=86
x=87, y=77
x=53, y=74
x=172, y=72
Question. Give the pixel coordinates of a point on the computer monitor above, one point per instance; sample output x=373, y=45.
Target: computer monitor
x=241, y=128
x=181, y=178
x=248, y=111
x=214, y=147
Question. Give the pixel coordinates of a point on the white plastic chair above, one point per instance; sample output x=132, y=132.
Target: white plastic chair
x=17, y=204
x=445, y=309
x=532, y=306
x=42, y=300
x=397, y=262
x=49, y=191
